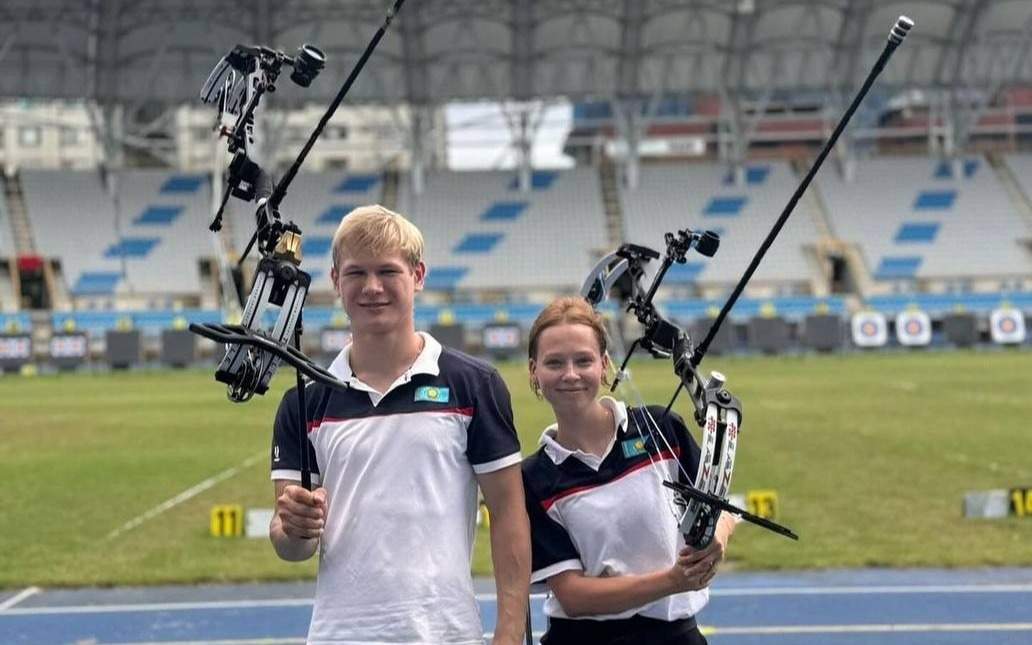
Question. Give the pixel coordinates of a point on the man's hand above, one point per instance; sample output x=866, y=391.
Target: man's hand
x=302, y=513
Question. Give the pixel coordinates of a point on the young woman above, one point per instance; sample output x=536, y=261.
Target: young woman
x=604, y=540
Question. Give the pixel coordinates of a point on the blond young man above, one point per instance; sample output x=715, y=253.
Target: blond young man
x=398, y=458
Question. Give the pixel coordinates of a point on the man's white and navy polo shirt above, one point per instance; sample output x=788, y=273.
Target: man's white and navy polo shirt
x=611, y=516
x=399, y=471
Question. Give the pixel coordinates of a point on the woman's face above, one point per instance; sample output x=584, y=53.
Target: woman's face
x=568, y=366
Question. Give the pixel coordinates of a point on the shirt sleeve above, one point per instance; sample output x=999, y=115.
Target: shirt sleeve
x=552, y=550
x=492, y=443
x=286, y=442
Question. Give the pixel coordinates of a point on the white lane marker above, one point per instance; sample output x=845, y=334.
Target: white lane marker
x=490, y=597
x=18, y=597
x=879, y=589
x=193, y=491
x=870, y=629
x=234, y=641
x=158, y=606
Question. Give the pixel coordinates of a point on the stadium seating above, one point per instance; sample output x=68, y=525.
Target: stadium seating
x=165, y=225
x=918, y=218
x=483, y=233
x=164, y=222
x=703, y=196
x=73, y=220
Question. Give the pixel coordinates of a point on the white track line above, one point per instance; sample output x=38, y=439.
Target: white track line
x=18, y=597
x=879, y=589
x=871, y=629
x=158, y=606
x=193, y=491
x=490, y=597
x=242, y=641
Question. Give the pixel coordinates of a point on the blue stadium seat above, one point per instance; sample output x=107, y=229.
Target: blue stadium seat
x=892, y=268
x=944, y=169
x=935, y=200
x=159, y=215
x=315, y=245
x=539, y=180
x=96, y=283
x=504, y=211
x=183, y=184
x=725, y=206
x=357, y=184
x=684, y=273
x=754, y=176
x=478, y=243
x=910, y=232
x=335, y=213
x=445, y=277
x=132, y=247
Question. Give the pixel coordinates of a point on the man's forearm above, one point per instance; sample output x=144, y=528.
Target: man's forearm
x=289, y=548
x=510, y=554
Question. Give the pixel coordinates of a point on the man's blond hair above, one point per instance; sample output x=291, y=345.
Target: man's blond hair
x=378, y=230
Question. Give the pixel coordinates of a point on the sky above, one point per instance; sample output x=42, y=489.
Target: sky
x=479, y=136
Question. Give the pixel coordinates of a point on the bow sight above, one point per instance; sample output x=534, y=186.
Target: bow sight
x=236, y=85
x=623, y=271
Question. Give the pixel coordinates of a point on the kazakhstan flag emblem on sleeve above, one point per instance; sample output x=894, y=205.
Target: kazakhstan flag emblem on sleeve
x=432, y=394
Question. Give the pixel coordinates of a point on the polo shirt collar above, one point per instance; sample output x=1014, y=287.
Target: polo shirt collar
x=426, y=363
x=558, y=453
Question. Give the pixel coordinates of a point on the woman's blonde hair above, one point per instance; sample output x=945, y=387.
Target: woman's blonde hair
x=378, y=230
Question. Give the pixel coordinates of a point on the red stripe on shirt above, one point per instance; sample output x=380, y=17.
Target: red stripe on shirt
x=466, y=412
x=662, y=456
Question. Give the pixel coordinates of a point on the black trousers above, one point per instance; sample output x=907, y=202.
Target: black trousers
x=636, y=630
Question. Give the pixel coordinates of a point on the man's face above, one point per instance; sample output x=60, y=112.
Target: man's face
x=378, y=291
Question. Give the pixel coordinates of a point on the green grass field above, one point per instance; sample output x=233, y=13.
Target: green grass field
x=870, y=455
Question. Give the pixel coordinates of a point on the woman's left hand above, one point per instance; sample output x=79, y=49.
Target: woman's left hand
x=702, y=564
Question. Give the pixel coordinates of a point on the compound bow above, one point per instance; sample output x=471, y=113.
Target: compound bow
x=253, y=353
x=697, y=504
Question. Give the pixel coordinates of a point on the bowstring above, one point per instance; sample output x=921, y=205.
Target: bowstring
x=640, y=416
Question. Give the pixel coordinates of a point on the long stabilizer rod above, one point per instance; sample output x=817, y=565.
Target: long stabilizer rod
x=281, y=188
x=896, y=36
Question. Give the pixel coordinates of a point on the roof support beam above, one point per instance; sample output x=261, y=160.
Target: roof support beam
x=627, y=106
x=416, y=77
x=734, y=128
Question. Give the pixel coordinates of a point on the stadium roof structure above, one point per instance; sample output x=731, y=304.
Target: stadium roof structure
x=121, y=55
x=445, y=50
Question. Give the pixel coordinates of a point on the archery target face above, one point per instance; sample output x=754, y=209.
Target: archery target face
x=1007, y=326
x=869, y=329
x=913, y=328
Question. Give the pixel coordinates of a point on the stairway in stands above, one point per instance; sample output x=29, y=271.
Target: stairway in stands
x=389, y=196
x=829, y=246
x=1022, y=202
x=21, y=232
x=609, y=181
